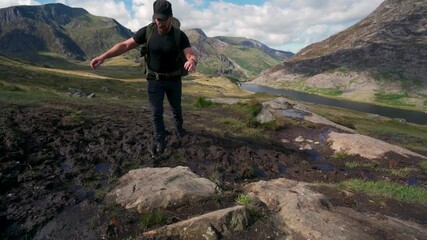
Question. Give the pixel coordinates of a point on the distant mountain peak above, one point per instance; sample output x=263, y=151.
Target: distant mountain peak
x=57, y=28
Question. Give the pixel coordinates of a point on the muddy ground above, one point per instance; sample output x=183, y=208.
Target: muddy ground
x=58, y=163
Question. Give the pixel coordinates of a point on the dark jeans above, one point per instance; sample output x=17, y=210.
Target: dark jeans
x=156, y=91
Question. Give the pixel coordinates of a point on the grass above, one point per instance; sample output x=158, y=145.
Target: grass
x=354, y=165
x=151, y=219
x=333, y=92
x=243, y=199
x=202, y=102
x=398, y=172
x=392, y=99
x=387, y=189
x=340, y=156
x=423, y=166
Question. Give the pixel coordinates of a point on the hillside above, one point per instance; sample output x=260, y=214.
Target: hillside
x=381, y=59
x=73, y=33
x=236, y=58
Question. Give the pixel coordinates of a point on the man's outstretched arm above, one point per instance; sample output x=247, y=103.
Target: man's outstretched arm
x=115, y=51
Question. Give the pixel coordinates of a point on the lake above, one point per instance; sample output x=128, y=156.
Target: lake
x=409, y=116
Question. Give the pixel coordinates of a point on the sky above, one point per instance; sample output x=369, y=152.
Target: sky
x=287, y=25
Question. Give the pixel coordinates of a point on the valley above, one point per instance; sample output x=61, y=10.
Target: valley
x=74, y=142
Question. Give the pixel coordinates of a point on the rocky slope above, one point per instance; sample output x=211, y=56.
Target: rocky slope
x=56, y=28
x=382, y=54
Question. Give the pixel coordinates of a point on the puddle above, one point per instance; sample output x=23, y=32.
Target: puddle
x=324, y=166
x=282, y=168
x=103, y=167
x=323, y=137
x=314, y=154
x=259, y=173
x=66, y=166
x=412, y=181
x=318, y=162
x=81, y=193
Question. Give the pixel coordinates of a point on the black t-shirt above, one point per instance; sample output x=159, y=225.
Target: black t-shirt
x=162, y=49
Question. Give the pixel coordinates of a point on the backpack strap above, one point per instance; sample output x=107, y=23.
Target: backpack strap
x=177, y=33
x=149, y=32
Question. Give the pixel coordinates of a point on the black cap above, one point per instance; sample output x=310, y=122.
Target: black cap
x=162, y=9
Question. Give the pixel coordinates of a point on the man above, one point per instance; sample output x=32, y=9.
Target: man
x=164, y=76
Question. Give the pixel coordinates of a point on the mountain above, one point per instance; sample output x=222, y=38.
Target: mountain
x=379, y=59
x=57, y=28
x=73, y=33
x=236, y=58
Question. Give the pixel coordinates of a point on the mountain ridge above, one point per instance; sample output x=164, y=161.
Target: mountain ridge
x=381, y=59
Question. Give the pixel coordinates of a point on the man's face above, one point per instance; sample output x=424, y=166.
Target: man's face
x=163, y=25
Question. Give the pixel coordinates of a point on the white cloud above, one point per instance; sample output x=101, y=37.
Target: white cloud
x=107, y=8
x=8, y=3
x=276, y=23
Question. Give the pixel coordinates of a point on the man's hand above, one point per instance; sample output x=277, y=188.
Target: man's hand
x=96, y=62
x=190, y=65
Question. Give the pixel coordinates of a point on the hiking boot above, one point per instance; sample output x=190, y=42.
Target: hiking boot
x=158, y=147
x=180, y=132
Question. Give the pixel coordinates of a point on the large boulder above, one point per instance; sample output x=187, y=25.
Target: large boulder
x=306, y=214
x=210, y=226
x=153, y=188
x=290, y=109
x=365, y=146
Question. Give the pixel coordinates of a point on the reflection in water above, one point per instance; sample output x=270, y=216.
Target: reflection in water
x=412, y=181
x=259, y=173
x=103, y=167
x=282, y=168
x=319, y=162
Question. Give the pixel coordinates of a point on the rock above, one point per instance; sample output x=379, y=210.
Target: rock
x=280, y=103
x=365, y=146
x=76, y=92
x=265, y=116
x=305, y=214
x=287, y=108
x=210, y=226
x=299, y=139
x=152, y=188
x=306, y=147
x=92, y=95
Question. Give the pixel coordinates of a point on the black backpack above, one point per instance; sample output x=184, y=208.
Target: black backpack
x=144, y=47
